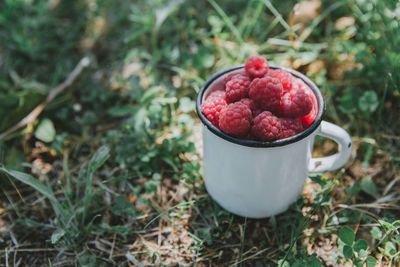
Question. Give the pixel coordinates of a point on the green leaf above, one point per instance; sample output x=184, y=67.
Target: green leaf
x=37, y=185
x=376, y=233
x=122, y=111
x=346, y=235
x=216, y=23
x=354, y=189
x=116, y=229
x=314, y=261
x=387, y=226
x=283, y=263
x=45, y=131
x=360, y=244
x=57, y=235
x=348, y=101
x=358, y=262
x=31, y=181
x=363, y=253
x=122, y=206
x=140, y=120
x=368, y=101
x=186, y=104
x=347, y=252
x=99, y=158
x=151, y=186
x=390, y=249
x=369, y=187
x=204, y=58
x=371, y=261
x=13, y=157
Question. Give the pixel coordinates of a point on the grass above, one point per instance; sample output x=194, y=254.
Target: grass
x=109, y=172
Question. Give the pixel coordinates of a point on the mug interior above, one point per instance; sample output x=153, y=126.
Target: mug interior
x=216, y=82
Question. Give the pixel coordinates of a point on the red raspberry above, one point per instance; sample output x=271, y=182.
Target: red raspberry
x=308, y=119
x=237, y=88
x=248, y=102
x=256, y=66
x=230, y=76
x=266, y=92
x=296, y=103
x=212, y=107
x=257, y=112
x=217, y=94
x=290, y=127
x=235, y=119
x=300, y=84
x=286, y=79
x=266, y=127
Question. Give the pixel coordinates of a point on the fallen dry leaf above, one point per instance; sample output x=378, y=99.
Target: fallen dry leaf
x=316, y=66
x=344, y=22
x=131, y=69
x=306, y=11
x=345, y=63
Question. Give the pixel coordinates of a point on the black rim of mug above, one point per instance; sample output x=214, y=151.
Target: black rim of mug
x=253, y=143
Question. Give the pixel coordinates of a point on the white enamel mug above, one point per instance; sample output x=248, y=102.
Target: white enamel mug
x=260, y=179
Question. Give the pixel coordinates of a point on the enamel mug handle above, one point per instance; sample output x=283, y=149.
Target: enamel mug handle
x=333, y=162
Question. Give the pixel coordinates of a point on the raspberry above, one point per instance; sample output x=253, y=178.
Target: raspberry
x=284, y=77
x=290, y=127
x=237, y=88
x=266, y=92
x=257, y=112
x=296, y=103
x=300, y=84
x=230, y=76
x=213, y=105
x=256, y=66
x=249, y=103
x=266, y=127
x=235, y=119
x=217, y=94
x=308, y=119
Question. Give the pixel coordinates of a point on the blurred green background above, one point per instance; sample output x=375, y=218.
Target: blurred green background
x=109, y=172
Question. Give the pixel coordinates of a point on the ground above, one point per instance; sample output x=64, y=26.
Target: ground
x=100, y=146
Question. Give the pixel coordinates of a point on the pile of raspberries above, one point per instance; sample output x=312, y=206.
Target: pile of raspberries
x=261, y=103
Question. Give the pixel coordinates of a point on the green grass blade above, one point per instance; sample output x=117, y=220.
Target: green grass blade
x=254, y=18
x=228, y=22
x=37, y=185
x=98, y=159
x=67, y=175
x=278, y=15
x=246, y=17
x=31, y=181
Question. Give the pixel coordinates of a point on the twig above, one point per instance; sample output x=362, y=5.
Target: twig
x=6, y=258
x=390, y=185
x=132, y=259
x=112, y=248
x=243, y=233
x=83, y=63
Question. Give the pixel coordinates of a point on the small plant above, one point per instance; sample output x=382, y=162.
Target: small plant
x=357, y=251
x=74, y=211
